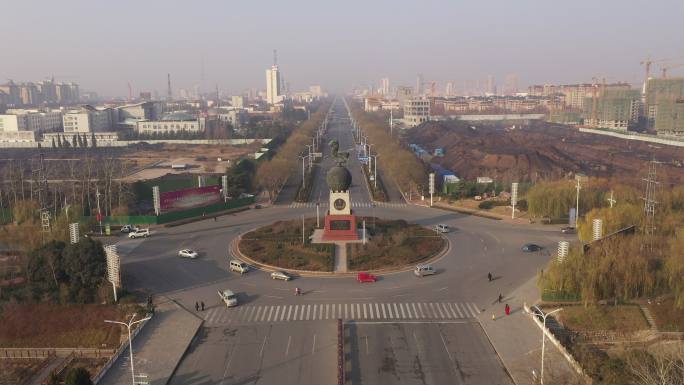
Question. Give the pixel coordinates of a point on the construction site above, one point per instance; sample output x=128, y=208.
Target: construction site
x=538, y=151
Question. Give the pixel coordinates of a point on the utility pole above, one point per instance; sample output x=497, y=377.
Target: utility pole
x=432, y=186
x=391, y=123
x=375, y=172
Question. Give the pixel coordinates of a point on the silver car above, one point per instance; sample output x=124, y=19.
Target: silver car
x=280, y=275
x=187, y=253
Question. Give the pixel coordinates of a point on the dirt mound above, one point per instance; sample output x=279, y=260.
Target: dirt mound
x=542, y=151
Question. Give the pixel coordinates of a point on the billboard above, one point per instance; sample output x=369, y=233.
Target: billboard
x=190, y=198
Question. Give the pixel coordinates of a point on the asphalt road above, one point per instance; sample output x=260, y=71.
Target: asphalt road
x=249, y=344
x=455, y=352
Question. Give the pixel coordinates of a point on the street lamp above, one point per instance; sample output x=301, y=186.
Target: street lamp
x=541, y=313
x=130, y=341
x=310, y=156
x=375, y=171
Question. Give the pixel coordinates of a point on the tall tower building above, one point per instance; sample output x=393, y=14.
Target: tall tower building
x=419, y=84
x=385, y=87
x=491, y=88
x=273, y=82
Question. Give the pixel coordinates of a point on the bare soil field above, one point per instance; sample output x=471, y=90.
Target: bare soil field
x=141, y=161
x=55, y=326
x=542, y=151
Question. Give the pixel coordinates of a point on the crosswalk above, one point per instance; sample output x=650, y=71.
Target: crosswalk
x=349, y=311
x=296, y=205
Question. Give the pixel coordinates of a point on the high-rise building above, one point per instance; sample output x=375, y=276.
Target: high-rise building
x=511, y=84
x=385, y=87
x=419, y=84
x=30, y=120
x=491, y=88
x=665, y=108
x=238, y=101
x=273, y=90
x=449, y=89
x=614, y=108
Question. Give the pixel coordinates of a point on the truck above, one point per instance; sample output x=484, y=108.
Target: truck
x=228, y=297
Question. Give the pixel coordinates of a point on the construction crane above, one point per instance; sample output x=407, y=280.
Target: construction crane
x=664, y=69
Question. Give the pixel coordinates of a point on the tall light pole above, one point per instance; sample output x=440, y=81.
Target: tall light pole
x=578, y=186
x=130, y=341
x=541, y=313
x=303, y=170
x=375, y=171
x=310, y=157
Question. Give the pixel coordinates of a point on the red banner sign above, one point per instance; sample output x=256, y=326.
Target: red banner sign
x=189, y=198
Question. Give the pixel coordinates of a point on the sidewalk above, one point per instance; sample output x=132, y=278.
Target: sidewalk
x=517, y=339
x=159, y=347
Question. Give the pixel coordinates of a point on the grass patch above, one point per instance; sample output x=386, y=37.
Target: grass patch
x=626, y=318
x=280, y=244
x=393, y=243
x=45, y=325
x=667, y=317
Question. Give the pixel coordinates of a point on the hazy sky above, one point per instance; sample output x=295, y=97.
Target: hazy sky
x=103, y=45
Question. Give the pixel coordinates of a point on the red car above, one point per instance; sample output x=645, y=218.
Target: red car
x=366, y=277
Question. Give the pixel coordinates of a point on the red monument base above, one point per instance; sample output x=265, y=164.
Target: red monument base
x=340, y=228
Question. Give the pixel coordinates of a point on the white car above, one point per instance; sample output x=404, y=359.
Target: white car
x=280, y=275
x=187, y=253
x=228, y=297
x=144, y=233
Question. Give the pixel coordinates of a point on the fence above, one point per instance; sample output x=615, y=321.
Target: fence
x=176, y=215
x=36, y=353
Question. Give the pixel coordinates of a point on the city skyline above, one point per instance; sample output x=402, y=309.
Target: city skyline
x=213, y=44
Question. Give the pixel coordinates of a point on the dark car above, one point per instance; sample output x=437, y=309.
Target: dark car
x=568, y=230
x=531, y=247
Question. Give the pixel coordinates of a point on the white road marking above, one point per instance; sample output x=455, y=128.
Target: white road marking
x=365, y=315
x=401, y=307
x=289, y=310
x=367, y=352
x=261, y=352
x=420, y=309
x=445, y=348
x=451, y=310
x=313, y=347
x=396, y=312
x=327, y=310
x=345, y=311
x=358, y=310
x=287, y=349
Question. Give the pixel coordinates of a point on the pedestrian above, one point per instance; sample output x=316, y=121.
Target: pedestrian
x=500, y=297
x=297, y=291
x=507, y=309
x=196, y=306
x=214, y=219
x=489, y=276
x=202, y=303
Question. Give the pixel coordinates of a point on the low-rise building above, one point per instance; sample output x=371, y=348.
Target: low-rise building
x=176, y=122
x=416, y=111
x=30, y=120
x=87, y=119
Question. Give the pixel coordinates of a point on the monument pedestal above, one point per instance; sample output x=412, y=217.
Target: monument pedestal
x=340, y=228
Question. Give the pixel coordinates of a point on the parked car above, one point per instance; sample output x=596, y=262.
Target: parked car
x=531, y=247
x=238, y=266
x=187, y=253
x=568, y=230
x=144, y=233
x=280, y=275
x=423, y=270
x=441, y=228
x=366, y=277
x=228, y=297
x=128, y=228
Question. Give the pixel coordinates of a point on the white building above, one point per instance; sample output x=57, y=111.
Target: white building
x=273, y=90
x=87, y=119
x=238, y=101
x=416, y=111
x=175, y=122
x=385, y=87
x=30, y=120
